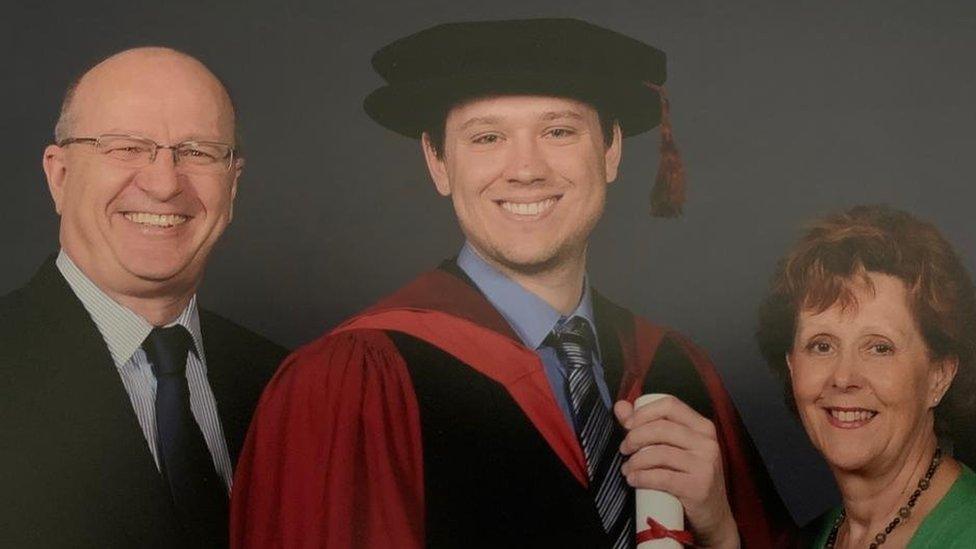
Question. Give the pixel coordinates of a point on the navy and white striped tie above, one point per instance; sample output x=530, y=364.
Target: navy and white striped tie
x=595, y=428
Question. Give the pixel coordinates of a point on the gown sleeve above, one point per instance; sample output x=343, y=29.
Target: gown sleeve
x=333, y=457
x=760, y=514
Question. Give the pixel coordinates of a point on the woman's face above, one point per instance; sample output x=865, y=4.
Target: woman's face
x=863, y=380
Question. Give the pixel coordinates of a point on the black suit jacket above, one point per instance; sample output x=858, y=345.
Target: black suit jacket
x=75, y=469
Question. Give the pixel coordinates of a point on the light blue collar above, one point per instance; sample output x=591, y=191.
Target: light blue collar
x=530, y=316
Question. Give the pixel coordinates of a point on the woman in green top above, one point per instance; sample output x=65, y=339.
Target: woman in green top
x=872, y=320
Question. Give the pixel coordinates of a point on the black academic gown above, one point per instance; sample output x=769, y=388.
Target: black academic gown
x=75, y=468
x=424, y=422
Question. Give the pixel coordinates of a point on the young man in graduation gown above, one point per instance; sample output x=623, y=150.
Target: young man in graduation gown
x=123, y=405
x=488, y=402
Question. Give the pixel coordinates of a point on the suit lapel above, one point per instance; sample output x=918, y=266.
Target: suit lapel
x=228, y=381
x=98, y=430
x=629, y=345
x=612, y=334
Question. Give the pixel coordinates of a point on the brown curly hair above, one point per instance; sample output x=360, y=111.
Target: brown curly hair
x=820, y=267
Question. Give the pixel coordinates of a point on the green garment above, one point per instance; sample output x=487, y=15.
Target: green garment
x=951, y=524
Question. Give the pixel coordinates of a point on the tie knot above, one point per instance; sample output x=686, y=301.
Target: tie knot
x=167, y=349
x=574, y=340
x=578, y=327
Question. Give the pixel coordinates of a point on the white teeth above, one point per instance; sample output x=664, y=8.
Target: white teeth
x=529, y=208
x=850, y=416
x=156, y=220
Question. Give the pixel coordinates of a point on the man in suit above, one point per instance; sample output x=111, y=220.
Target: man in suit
x=123, y=406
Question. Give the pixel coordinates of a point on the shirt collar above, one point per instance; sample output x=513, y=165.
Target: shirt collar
x=528, y=314
x=122, y=329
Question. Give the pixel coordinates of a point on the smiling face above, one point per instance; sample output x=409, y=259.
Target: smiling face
x=527, y=176
x=863, y=378
x=143, y=232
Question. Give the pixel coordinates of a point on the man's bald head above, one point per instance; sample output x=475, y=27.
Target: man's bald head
x=143, y=231
x=148, y=63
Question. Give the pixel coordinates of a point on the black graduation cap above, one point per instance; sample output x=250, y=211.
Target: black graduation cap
x=430, y=71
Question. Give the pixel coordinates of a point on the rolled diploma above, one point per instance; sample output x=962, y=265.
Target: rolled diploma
x=661, y=506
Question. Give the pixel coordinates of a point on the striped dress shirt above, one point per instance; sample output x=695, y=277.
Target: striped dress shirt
x=124, y=332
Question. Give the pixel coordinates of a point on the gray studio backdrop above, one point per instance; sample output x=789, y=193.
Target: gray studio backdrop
x=783, y=111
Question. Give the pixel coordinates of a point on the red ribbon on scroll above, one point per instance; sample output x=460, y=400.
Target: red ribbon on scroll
x=657, y=530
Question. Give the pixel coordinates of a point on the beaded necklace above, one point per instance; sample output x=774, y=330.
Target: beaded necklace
x=903, y=513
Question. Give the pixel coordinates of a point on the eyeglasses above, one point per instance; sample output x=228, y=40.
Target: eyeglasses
x=136, y=152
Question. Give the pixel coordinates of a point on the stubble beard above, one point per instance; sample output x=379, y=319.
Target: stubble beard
x=543, y=262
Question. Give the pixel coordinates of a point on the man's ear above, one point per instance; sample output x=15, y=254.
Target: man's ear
x=611, y=157
x=56, y=172
x=238, y=170
x=789, y=363
x=940, y=378
x=436, y=166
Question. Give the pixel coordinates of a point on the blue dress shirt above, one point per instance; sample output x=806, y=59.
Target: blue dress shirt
x=533, y=319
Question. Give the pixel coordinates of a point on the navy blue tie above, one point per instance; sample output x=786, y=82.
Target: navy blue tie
x=199, y=494
x=597, y=431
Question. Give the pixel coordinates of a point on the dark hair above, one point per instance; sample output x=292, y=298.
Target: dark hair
x=835, y=251
x=436, y=130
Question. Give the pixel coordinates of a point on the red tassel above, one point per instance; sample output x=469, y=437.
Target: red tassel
x=668, y=194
